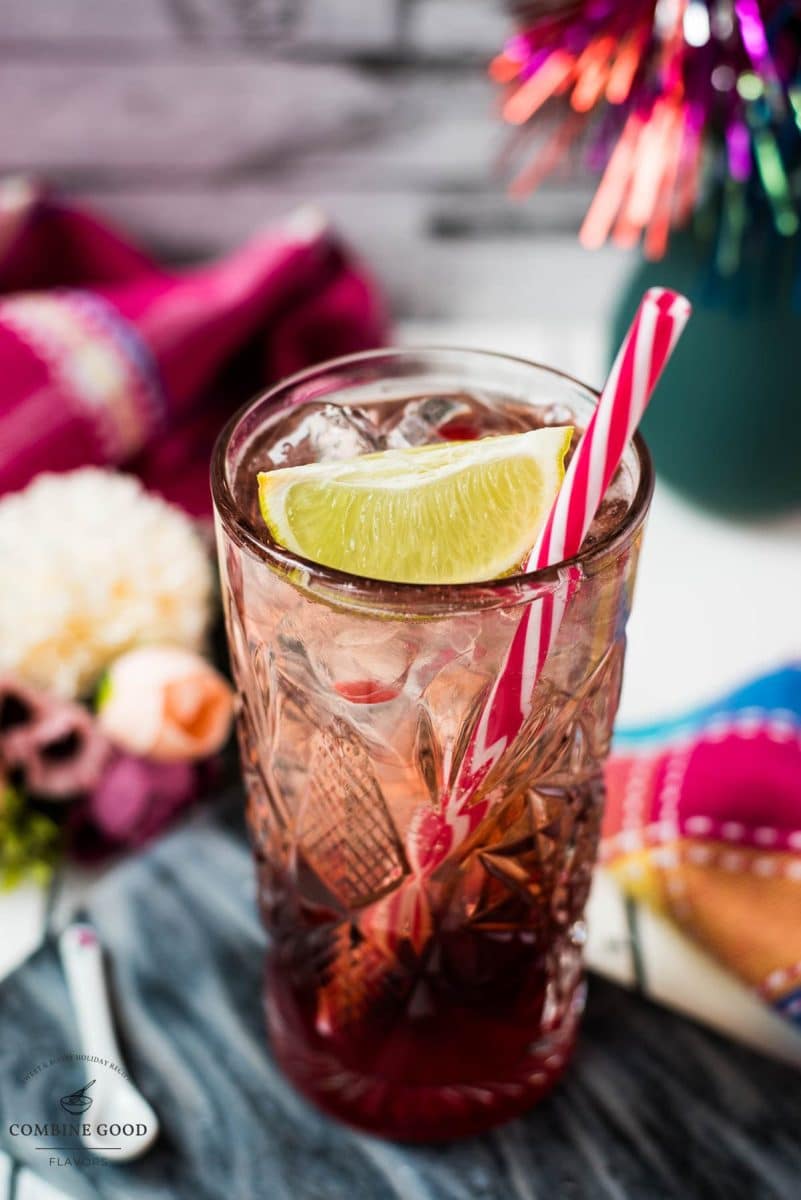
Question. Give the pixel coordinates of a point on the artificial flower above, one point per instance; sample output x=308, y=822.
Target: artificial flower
x=166, y=704
x=51, y=747
x=134, y=800
x=94, y=565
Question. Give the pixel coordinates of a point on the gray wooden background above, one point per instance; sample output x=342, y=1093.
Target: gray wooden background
x=195, y=121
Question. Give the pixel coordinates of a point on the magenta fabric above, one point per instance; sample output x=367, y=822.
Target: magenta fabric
x=107, y=358
x=703, y=822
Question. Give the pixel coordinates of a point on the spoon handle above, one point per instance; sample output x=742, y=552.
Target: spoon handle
x=82, y=959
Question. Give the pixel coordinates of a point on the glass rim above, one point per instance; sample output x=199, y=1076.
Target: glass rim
x=344, y=584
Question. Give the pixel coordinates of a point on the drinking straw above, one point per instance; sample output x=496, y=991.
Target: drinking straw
x=435, y=834
x=649, y=343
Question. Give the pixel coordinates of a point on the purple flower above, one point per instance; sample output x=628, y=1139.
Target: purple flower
x=52, y=747
x=133, y=801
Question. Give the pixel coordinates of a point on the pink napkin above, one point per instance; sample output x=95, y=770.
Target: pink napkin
x=108, y=358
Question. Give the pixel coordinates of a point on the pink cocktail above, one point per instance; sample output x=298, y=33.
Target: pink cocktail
x=419, y=1001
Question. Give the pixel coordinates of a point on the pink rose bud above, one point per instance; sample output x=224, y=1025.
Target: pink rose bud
x=167, y=704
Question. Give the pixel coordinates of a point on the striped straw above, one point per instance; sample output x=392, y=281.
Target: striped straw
x=434, y=835
x=648, y=345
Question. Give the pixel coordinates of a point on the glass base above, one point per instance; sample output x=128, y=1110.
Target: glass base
x=422, y=1082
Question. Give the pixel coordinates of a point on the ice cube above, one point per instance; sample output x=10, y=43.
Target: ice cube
x=449, y=705
x=612, y=509
x=557, y=414
x=363, y=661
x=421, y=420
x=322, y=433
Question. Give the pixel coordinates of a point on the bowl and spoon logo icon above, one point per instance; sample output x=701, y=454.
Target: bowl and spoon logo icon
x=77, y=1102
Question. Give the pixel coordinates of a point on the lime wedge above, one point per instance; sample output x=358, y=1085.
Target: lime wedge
x=450, y=512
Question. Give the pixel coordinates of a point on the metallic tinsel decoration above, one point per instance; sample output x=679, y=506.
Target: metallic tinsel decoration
x=684, y=104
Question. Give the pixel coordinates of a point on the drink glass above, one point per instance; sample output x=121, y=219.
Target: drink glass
x=419, y=1005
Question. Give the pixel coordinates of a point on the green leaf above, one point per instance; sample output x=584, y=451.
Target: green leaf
x=30, y=841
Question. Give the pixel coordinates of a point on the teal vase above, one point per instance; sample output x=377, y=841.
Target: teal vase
x=724, y=425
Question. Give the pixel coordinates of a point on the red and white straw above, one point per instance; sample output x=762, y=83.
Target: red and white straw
x=435, y=834
x=646, y=349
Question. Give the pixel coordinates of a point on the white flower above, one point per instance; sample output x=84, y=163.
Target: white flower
x=93, y=565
